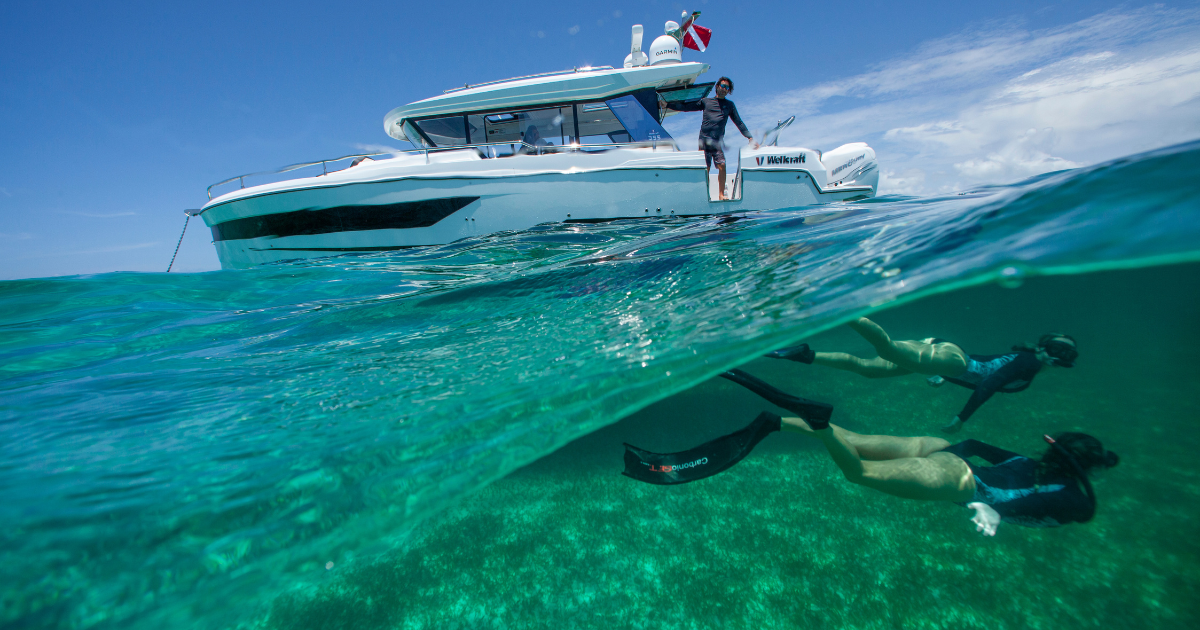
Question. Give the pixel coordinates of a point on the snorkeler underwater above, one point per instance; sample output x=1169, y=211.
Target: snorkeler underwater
x=1045, y=493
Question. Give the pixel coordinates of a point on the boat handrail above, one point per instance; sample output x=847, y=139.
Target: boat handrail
x=291, y=167
x=777, y=130
x=539, y=150
x=467, y=86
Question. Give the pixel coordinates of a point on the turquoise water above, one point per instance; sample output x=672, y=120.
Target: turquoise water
x=433, y=439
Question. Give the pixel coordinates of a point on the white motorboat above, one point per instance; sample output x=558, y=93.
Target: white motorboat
x=582, y=145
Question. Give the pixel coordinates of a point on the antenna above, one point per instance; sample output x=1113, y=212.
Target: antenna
x=636, y=56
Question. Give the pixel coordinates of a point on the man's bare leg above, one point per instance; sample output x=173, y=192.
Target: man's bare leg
x=940, y=359
x=721, y=182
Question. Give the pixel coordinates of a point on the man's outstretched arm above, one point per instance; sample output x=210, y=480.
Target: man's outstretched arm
x=737, y=120
x=686, y=106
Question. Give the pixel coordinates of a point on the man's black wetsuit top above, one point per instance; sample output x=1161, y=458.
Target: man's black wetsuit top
x=1010, y=486
x=716, y=112
x=991, y=373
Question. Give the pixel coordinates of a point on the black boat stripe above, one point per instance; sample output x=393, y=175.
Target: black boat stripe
x=382, y=248
x=307, y=222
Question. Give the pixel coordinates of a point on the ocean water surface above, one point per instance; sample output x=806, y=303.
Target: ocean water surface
x=433, y=438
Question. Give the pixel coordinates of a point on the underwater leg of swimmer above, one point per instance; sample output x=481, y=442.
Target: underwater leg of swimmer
x=934, y=359
x=870, y=368
x=936, y=477
x=876, y=447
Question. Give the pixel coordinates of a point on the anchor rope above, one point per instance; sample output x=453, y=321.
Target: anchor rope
x=185, y=224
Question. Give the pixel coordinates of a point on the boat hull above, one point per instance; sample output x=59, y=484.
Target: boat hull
x=390, y=206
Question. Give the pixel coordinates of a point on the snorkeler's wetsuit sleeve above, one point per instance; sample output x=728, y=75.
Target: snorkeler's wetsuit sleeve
x=974, y=448
x=1046, y=509
x=737, y=120
x=1021, y=370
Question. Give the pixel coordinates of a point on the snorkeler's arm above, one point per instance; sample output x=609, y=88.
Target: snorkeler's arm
x=990, y=385
x=1045, y=509
x=686, y=106
x=974, y=448
x=1014, y=376
x=981, y=395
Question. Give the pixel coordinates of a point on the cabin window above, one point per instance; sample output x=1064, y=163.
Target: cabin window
x=449, y=131
x=685, y=93
x=598, y=125
x=553, y=126
x=615, y=121
x=414, y=136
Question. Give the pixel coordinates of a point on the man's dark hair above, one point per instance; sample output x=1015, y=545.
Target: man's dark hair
x=727, y=80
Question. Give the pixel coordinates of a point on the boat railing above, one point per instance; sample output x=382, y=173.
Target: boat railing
x=487, y=149
x=771, y=138
x=467, y=86
x=241, y=179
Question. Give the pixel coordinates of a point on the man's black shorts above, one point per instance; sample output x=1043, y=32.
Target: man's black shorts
x=713, y=153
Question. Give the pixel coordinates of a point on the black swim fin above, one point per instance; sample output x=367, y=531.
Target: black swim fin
x=702, y=461
x=801, y=353
x=816, y=414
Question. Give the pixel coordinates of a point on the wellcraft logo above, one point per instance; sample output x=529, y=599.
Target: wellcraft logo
x=781, y=159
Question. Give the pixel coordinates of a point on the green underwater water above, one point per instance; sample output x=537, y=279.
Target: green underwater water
x=432, y=438
x=781, y=541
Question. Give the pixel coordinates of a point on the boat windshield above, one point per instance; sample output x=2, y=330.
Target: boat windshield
x=618, y=120
x=638, y=122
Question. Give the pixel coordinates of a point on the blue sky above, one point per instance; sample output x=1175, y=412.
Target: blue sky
x=114, y=119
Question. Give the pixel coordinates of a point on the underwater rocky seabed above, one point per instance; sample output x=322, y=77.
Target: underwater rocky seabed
x=441, y=427
x=781, y=541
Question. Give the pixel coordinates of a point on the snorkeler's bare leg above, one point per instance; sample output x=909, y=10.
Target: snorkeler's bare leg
x=935, y=359
x=935, y=477
x=721, y=182
x=876, y=447
x=870, y=368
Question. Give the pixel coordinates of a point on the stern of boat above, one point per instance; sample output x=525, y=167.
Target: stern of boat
x=783, y=177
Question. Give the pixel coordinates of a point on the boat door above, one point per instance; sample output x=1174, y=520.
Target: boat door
x=733, y=170
x=733, y=178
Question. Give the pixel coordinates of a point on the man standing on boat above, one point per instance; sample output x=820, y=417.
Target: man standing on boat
x=717, y=112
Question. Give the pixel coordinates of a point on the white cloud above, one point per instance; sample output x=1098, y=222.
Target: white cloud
x=909, y=182
x=19, y=236
x=1004, y=103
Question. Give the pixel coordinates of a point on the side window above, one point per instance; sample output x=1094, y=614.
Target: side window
x=535, y=128
x=476, y=129
x=449, y=131
x=598, y=125
x=413, y=135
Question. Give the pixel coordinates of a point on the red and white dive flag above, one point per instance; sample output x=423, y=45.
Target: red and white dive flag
x=695, y=36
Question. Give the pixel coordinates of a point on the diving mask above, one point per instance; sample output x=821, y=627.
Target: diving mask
x=1060, y=349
